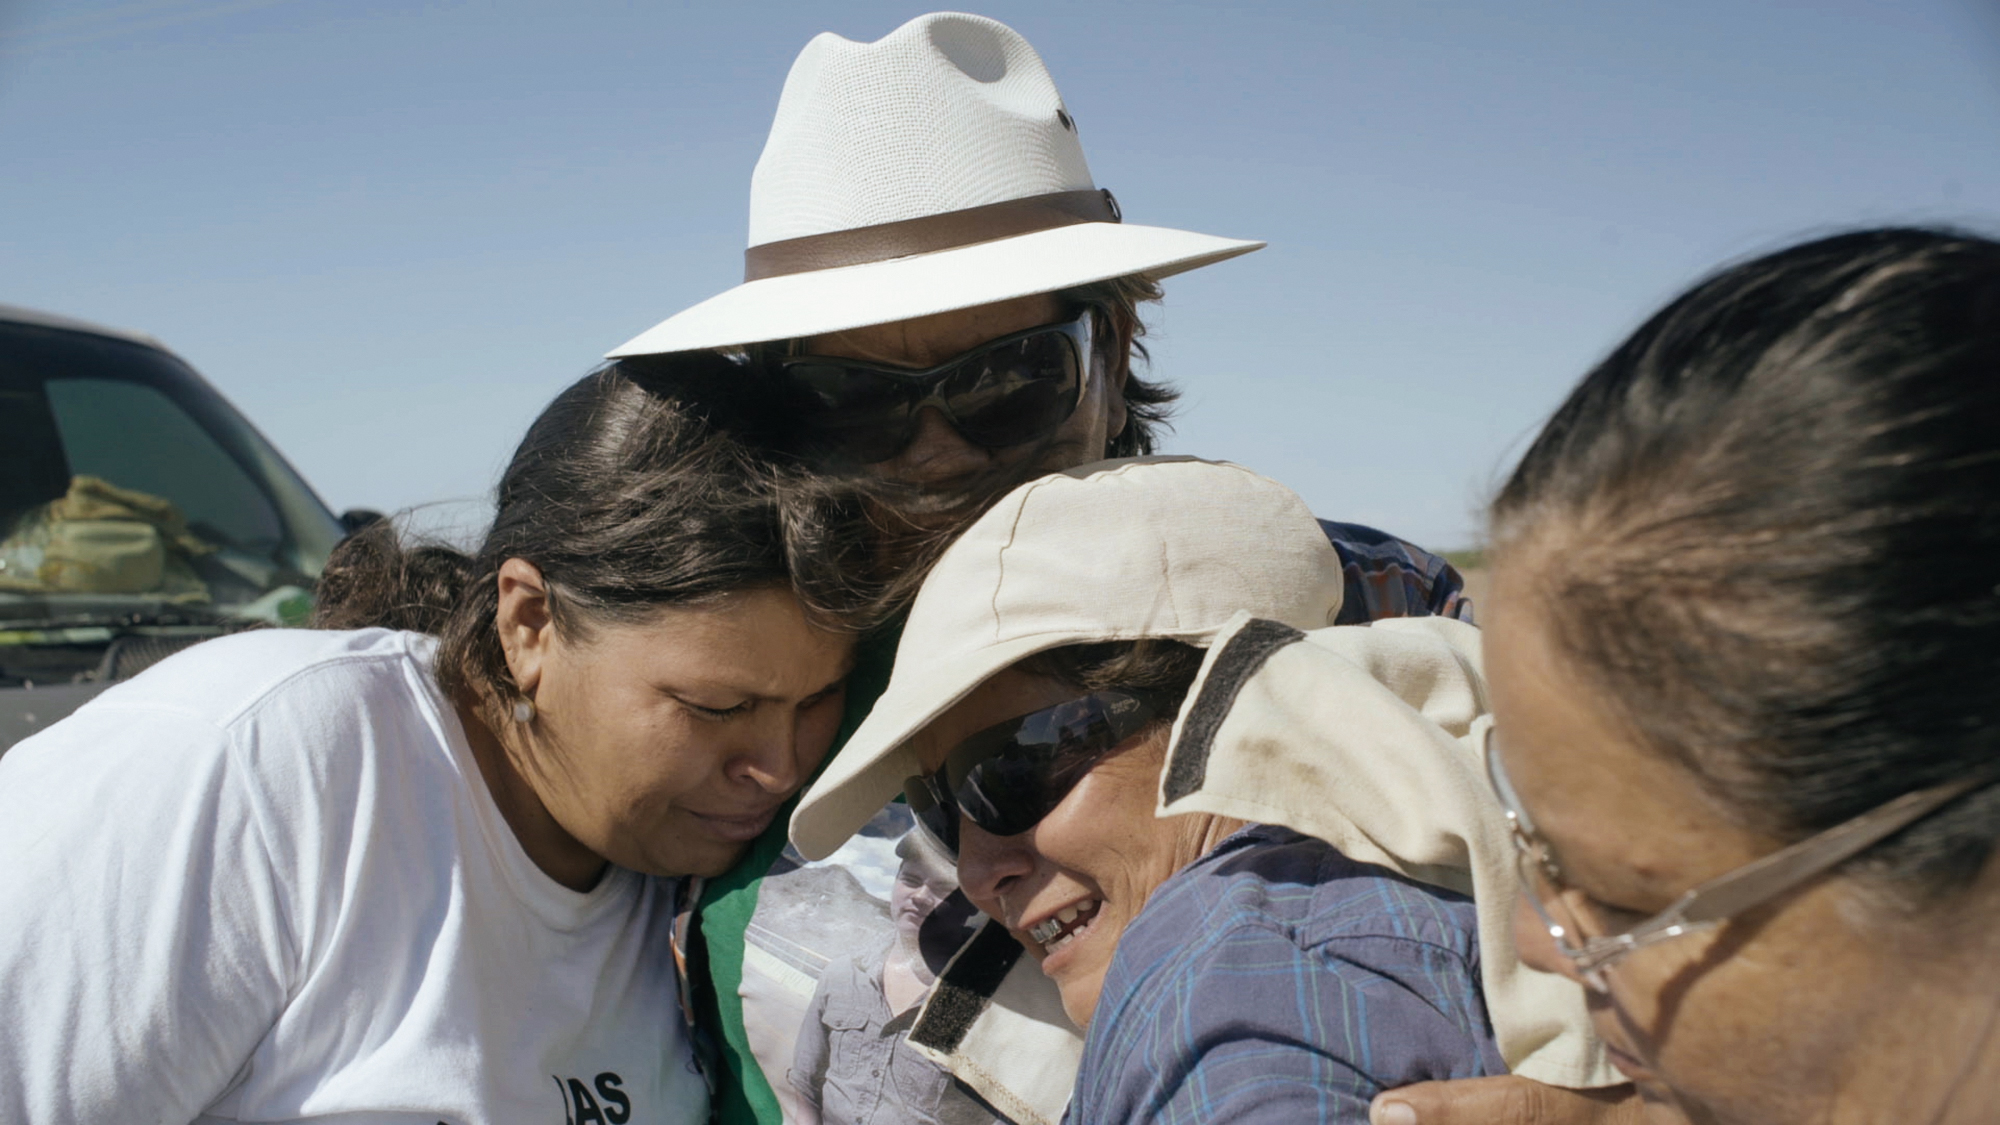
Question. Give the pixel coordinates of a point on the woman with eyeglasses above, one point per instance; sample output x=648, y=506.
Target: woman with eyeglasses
x=1226, y=966
x=1745, y=658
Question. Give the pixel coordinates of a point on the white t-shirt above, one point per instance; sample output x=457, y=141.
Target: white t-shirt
x=264, y=881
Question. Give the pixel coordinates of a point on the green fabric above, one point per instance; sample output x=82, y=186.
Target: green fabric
x=743, y=1097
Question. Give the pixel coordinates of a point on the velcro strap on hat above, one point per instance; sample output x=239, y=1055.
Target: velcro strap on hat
x=929, y=234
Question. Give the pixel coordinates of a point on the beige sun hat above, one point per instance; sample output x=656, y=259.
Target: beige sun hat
x=931, y=170
x=1168, y=547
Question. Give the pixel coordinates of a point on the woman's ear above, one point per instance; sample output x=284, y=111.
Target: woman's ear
x=527, y=628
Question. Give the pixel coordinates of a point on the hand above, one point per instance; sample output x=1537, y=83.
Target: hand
x=1506, y=1100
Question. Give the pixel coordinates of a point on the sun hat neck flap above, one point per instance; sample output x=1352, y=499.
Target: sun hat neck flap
x=1166, y=547
x=944, y=137
x=1369, y=737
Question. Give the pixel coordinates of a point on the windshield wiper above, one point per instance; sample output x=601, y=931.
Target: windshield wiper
x=120, y=619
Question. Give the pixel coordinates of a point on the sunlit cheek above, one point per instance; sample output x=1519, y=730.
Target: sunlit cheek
x=1079, y=831
x=1103, y=834
x=580, y=746
x=676, y=757
x=646, y=794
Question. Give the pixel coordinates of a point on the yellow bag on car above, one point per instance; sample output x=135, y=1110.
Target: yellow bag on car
x=101, y=539
x=103, y=557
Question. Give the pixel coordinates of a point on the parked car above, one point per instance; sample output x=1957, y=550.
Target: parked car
x=139, y=514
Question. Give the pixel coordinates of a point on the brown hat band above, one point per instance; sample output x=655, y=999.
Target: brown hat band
x=928, y=234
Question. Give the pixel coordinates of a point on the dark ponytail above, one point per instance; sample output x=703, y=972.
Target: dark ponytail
x=372, y=580
x=1768, y=528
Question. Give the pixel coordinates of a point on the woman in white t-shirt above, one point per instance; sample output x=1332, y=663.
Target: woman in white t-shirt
x=426, y=874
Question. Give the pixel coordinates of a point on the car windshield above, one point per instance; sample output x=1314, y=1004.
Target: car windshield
x=130, y=492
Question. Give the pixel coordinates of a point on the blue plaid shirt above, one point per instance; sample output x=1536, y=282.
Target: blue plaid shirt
x=1387, y=577
x=1277, y=981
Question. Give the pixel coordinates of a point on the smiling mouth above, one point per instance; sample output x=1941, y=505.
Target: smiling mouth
x=1059, y=930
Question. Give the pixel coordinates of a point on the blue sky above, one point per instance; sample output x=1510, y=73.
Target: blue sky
x=391, y=231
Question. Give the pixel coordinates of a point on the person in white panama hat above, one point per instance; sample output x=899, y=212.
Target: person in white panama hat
x=923, y=201
x=920, y=197
x=938, y=294
x=1302, y=900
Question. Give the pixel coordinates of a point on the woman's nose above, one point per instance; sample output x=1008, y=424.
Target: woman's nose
x=770, y=762
x=989, y=865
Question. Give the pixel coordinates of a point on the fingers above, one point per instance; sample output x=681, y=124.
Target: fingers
x=1505, y=1100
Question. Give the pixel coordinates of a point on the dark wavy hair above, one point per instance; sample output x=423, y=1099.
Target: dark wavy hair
x=1768, y=528
x=627, y=499
x=1164, y=667
x=1149, y=403
x=877, y=538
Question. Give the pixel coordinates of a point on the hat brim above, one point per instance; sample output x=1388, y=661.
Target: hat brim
x=868, y=772
x=835, y=300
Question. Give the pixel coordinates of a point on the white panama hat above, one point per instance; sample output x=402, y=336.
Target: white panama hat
x=931, y=170
x=1170, y=547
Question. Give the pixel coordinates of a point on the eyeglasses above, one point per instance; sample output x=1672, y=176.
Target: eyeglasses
x=1002, y=393
x=1006, y=778
x=1594, y=937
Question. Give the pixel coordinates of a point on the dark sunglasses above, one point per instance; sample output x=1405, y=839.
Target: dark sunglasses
x=1004, y=392
x=1006, y=778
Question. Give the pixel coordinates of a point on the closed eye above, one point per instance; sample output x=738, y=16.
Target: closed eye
x=718, y=714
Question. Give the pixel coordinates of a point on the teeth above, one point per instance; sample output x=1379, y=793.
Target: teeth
x=1049, y=931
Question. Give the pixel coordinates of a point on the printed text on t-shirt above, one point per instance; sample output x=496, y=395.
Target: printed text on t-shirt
x=609, y=1106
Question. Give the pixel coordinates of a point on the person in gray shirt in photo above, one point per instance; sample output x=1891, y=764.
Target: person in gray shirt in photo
x=854, y=1061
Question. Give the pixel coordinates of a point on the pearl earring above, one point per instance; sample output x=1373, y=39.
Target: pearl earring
x=524, y=710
